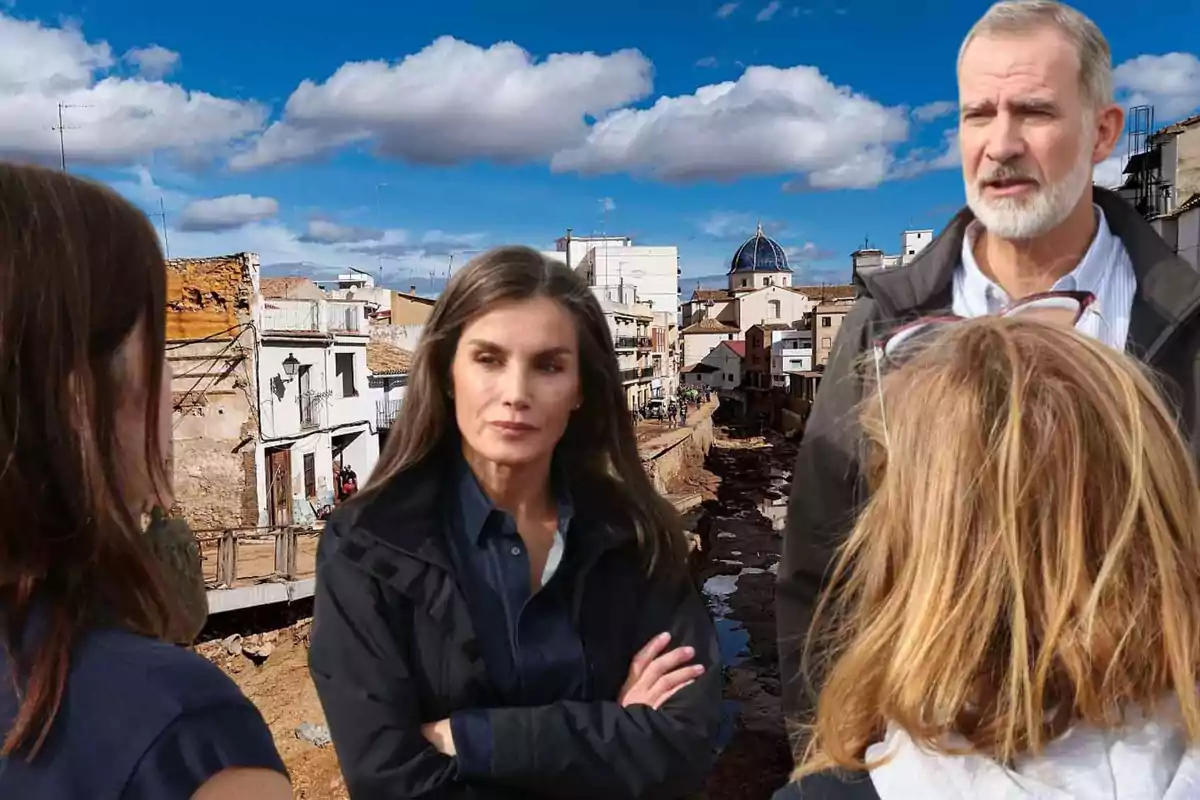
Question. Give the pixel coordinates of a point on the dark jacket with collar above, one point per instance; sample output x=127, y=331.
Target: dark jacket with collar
x=1164, y=332
x=393, y=646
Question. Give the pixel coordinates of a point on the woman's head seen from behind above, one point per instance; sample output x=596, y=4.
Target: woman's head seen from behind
x=84, y=422
x=1030, y=554
x=516, y=366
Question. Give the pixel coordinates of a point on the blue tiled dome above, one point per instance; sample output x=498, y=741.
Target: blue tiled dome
x=760, y=253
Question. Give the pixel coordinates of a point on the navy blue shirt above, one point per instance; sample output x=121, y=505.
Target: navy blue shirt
x=533, y=651
x=139, y=719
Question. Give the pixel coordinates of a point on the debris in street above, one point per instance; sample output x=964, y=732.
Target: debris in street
x=316, y=735
x=739, y=579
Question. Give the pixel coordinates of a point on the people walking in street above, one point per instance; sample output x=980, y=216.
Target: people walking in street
x=673, y=414
x=504, y=611
x=98, y=586
x=1018, y=606
x=1037, y=114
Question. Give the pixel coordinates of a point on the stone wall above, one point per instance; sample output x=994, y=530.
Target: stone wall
x=666, y=459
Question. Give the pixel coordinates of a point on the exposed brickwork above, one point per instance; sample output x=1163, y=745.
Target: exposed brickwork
x=206, y=296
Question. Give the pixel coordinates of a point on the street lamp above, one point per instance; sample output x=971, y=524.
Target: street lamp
x=289, y=366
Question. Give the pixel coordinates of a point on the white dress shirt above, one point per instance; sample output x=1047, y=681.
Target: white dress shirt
x=1105, y=271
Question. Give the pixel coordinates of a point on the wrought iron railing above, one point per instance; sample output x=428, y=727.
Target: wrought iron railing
x=386, y=412
x=310, y=410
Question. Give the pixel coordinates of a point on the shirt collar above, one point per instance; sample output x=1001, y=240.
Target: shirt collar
x=1089, y=275
x=477, y=508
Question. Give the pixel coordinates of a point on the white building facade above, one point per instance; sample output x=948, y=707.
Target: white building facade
x=629, y=324
x=791, y=354
x=617, y=261
x=315, y=408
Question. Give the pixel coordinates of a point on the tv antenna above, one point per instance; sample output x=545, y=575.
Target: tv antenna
x=60, y=127
x=162, y=216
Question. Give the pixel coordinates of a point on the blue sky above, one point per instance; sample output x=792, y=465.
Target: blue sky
x=327, y=135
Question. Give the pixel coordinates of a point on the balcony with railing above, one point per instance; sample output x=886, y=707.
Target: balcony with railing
x=300, y=316
x=386, y=412
x=646, y=372
x=310, y=410
x=625, y=342
x=644, y=343
x=628, y=375
x=345, y=317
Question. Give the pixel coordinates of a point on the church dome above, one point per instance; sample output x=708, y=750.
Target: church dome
x=760, y=253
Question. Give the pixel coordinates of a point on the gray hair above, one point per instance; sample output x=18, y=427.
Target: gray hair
x=1017, y=17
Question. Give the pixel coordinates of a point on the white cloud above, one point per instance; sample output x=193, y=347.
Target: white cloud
x=768, y=11
x=1108, y=172
x=769, y=121
x=153, y=62
x=227, y=213
x=707, y=61
x=1170, y=83
x=112, y=120
x=726, y=10
x=920, y=160
x=934, y=110
x=737, y=225
x=454, y=102
x=328, y=232
x=145, y=191
x=608, y=204
x=809, y=251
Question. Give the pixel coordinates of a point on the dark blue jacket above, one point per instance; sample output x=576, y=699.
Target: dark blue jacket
x=393, y=646
x=140, y=720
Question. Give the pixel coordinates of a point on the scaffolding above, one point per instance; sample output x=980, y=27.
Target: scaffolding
x=1144, y=161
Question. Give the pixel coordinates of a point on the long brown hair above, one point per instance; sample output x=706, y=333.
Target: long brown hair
x=80, y=273
x=598, y=450
x=1029, y=558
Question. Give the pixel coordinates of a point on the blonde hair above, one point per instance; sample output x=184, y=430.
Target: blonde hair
x=1029, y=558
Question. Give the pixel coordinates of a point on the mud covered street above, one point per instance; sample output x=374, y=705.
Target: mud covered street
x=741, y=531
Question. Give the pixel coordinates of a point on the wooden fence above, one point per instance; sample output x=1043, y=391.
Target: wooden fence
x=234, y=557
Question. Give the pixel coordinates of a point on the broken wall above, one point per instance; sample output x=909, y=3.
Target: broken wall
x=212, y=306
x=1187, y=176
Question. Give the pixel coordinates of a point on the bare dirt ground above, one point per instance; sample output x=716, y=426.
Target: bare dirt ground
x=272, y=669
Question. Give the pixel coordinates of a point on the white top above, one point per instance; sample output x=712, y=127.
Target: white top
x=1148, y=760
x=1106, y=271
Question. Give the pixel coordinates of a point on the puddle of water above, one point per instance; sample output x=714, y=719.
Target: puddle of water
x=729, y=713
x=734, y=641
x=718, y=589
x=775, y=511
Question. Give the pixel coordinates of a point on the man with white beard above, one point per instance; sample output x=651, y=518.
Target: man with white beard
x=1036, y=115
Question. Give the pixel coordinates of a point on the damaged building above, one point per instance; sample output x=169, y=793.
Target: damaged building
x=211, y=347
x=269, y=391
